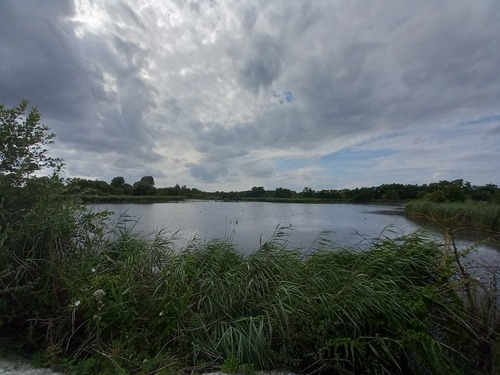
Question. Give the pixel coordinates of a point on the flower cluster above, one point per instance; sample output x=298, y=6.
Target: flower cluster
x=99, y=294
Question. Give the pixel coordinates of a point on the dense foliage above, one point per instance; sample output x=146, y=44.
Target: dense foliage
x=117, y=303
x=480, y=215
x=80, y=293
x=443, y=191
x=22, y=147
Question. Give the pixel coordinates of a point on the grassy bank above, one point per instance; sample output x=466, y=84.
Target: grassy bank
x=94, y=299
x=479, y=215
x=129, y=199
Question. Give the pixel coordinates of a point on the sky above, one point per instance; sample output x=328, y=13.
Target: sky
x=227, y=95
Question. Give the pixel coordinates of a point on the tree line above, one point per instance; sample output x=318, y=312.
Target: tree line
x=442, y=191
x=118, y=186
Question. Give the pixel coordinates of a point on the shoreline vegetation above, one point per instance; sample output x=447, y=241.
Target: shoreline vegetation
x=128, y=199
x=83, y=297
x=453, y=215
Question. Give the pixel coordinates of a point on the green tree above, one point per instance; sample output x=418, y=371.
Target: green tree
x=454, y=193
x=257, y=191
x=143, y=188
x=391, y=195
x=86, y=186
x=149, y=180
x=23, y=152
x=127, y=189
x=23, y=141
x=307, y=192
x=282, y=193
x=117, y=182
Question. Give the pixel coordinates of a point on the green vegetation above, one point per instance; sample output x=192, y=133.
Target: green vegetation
x=86, y=299
x=91, y=298
x=443, y=191
x=92, y=190
x=129, y=198
x=480, y=215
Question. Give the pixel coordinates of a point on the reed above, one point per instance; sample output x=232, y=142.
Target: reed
x=99, y=299
x=480, y=215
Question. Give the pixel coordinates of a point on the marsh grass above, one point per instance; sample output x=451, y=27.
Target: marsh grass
x=479, y=215
x=99, y=299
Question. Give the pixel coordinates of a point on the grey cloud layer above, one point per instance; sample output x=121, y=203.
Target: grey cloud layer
x=215, y=92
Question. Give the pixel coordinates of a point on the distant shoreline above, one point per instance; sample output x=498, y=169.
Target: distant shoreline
x=150, y=199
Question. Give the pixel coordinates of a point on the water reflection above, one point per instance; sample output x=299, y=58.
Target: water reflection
x=248, y=224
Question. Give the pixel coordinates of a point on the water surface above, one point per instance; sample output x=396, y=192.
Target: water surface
x=248, y=224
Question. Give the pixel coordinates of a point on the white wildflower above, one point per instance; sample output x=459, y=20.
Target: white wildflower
x=99, y=294
x=161, y=313
x=77, y=303
x=93, y=270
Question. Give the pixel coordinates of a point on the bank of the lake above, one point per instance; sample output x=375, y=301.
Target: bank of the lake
x=123, y=199
x=453, y=215
x=120, y=199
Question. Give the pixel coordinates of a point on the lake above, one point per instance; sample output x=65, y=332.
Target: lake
x=248, y=224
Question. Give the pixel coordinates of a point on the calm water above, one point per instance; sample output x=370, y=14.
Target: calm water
x=248, y=224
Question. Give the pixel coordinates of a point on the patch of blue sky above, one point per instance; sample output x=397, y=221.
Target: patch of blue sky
x=350, y=155
x=284, y=96
x=288, y=96
x=464, y=128
x=382, y=137
x=481, y=119
x=287, y=164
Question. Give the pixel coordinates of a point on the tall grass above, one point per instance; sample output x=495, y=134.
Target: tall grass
x=101, y=300
x=480, y=215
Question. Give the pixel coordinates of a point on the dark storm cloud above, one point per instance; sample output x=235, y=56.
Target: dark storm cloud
x=64, y=75
x=42, y=63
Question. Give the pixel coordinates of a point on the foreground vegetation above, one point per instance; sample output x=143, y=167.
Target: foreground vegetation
x=88, y=297
x=93, y=301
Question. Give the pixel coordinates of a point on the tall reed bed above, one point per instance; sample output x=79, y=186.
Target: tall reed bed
x=96, y=299
x=480, y=215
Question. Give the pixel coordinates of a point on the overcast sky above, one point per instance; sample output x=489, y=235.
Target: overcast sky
x=226, y=95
